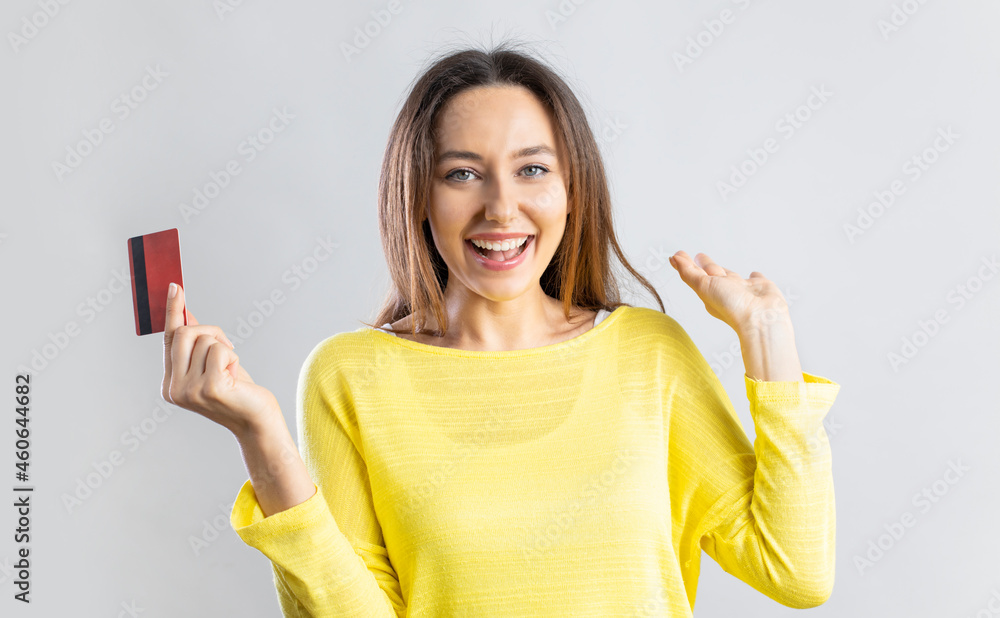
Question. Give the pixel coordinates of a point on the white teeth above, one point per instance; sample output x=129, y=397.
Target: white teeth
x=505, y=245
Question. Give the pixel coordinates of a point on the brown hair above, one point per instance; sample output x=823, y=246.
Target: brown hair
x=580, y=272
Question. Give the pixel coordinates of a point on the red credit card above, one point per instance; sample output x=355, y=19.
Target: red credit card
x=154, y=261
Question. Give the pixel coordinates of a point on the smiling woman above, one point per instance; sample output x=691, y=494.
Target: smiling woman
x=495, y=148
x=517, y=441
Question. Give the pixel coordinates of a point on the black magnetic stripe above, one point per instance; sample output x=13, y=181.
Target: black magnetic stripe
x=141, y=290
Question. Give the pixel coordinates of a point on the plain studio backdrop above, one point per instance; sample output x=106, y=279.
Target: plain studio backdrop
x=848, y=151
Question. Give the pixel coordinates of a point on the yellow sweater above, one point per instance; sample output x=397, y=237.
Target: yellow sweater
x=581, y=478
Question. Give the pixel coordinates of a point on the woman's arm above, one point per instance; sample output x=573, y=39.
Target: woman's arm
x=312, y=515
x=278, y=475
x=764, y=512
x=768, y=348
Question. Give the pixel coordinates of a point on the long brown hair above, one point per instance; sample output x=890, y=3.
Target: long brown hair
x=580, y=272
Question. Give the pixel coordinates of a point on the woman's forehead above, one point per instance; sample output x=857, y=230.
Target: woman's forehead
x=485, y=115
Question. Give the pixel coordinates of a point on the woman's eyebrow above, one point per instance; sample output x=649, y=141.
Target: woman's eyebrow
x=468, y=154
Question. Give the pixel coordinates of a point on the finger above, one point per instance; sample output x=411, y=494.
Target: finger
x=179, y=350
x=690, y=272
x=219, y=333
x=199, y=352
x=185, y=339
x=181, y=347
x=709, y=266
x=210, y=329
x=172, y=319
x=756, y=274
x=175, y=310
x=691, y=262
x=219, y=361
x=686, y=264
x=241, y=373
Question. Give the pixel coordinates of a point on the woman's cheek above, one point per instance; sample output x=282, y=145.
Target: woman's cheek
x=550, y=196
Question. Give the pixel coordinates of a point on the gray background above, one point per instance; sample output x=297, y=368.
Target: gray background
x=669, y=136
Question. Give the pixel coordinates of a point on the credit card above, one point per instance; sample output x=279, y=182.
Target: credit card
x=154, y=261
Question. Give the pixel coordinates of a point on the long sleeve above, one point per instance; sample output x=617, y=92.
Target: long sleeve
x=581, y=478
x=766, y=514
x=327, y=553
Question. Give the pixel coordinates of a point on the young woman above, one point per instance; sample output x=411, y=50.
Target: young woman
x=512, y=439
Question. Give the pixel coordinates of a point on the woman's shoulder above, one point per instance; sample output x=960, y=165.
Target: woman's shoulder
x=341, y=349
x=652, y=328
x=645, y=319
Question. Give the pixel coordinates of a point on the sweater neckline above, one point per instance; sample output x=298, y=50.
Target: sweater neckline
x=595, y=331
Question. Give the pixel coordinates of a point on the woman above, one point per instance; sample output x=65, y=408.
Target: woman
x=514, y=440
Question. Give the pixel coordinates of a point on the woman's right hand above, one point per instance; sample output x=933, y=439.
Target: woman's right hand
x=202, y=373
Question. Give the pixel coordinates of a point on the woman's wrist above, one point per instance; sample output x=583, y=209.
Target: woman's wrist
x=267, y=422
x=278, y=475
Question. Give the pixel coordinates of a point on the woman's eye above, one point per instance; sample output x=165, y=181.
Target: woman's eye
x=538, y=167
x=455, y=175
x=452, y=175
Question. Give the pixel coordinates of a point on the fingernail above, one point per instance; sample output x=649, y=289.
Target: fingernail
x=172, y=291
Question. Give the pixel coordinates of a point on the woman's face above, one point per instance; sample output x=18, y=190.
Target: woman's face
x=498, y=173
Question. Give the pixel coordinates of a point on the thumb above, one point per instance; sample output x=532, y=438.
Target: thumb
x=176, y=315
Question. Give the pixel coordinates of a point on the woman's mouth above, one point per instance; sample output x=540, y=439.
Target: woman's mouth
x=495, y=257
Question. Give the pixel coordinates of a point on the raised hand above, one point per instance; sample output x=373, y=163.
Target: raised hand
x=202, y=373
x=741, y=303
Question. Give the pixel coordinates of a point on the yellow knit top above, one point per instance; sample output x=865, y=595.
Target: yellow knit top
x=581, y=478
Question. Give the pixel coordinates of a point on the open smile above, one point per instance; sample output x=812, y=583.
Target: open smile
x=500, y=259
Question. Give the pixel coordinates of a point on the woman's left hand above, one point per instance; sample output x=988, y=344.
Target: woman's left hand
x=741, y=303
